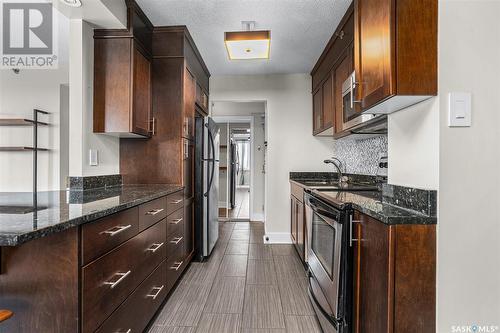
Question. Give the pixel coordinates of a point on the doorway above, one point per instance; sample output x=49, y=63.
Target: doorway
x=242, y=160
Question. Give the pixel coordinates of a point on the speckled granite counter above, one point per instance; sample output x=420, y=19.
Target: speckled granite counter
x=60, y=210
x=391, y=205
x=372, y=204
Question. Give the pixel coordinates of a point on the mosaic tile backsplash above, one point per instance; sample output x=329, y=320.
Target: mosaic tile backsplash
x=360, y=155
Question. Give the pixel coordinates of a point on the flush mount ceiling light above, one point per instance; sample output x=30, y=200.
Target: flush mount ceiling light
x=249, y=44
x=72, y=3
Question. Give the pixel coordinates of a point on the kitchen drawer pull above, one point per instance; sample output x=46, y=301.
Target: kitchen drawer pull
x=154, y=211
x=175, y=202
x=155, y=247
x=176, y=221
x=176, y=241
x=116, y=230
x=176, y=266
x=127, y=331
x=158, y=291
x=121, y=275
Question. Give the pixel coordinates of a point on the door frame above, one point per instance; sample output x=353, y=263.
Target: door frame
x=249, y=120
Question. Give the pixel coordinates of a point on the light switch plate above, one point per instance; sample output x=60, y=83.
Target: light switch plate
x=459, y=109
x=93, y=157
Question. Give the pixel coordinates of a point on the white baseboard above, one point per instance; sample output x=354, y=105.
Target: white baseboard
x=277, y=238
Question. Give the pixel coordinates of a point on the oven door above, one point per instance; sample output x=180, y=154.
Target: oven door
x=324, y=250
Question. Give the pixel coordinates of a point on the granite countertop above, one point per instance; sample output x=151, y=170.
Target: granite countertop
x=390, y=205
x=60, y=210
x=372, y=204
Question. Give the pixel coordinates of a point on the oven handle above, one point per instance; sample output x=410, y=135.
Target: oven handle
x=325, y=314
x=324, y=214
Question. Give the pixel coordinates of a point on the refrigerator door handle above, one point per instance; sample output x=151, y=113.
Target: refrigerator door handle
x=213, y=162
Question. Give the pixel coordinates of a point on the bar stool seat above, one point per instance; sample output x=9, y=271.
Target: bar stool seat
x=5, y=314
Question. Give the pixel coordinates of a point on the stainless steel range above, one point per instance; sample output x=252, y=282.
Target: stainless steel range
x=329, y=259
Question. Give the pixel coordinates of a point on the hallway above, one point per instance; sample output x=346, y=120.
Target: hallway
x=241, y=208
x=238, y=289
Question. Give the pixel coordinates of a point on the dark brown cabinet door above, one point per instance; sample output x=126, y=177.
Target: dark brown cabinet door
x=317, y=111
x=342, y=72
x=141, y=101
x=189, y=104
x=293, y=219
x=328, y=109
x=372, y=276
x=299, y=215
x=375, y=50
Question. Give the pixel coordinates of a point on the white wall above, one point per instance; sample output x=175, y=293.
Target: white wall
x=291, y=146
x=258, y=159
x=413, y=149
x=469, y=166
x=82, y=138
x=19, y=95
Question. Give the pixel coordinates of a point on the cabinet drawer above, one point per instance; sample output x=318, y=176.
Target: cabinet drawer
x=154, y=247
x=135, y=313
x=175, y=265
x=108, y=281
x=174, y=220
x=175, y=201
x=175, y=240
x=107, y=233
x=152, y=212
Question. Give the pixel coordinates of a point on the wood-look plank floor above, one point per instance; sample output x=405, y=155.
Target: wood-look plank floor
x=244, y=287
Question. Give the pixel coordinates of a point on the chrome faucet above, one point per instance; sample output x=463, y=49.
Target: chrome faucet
x=338, y=165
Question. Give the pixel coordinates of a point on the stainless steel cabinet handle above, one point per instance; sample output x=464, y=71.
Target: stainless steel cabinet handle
x=116, y=229
x=155, y=247
x=158, y=291
x=176, y=241
x=155, y=211
x=175, y=202
x=176, y=266
x=115, y=283
x=127, y=331
x=176, y=221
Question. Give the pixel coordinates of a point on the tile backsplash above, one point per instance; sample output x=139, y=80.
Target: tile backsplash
x=360, y=155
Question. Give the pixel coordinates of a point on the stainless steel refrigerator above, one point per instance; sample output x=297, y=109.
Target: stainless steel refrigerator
x=207, y=142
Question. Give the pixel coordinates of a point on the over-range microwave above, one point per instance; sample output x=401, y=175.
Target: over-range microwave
x=350, y=117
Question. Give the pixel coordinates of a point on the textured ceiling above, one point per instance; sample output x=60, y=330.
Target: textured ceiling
x=300, y=29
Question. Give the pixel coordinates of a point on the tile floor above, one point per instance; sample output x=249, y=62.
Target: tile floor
x=241, y=208
x=245, y=287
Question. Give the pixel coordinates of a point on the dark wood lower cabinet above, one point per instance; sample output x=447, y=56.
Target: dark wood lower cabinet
x=120, y=285
x=136, y=312
x=297, y=219
x=394, y=277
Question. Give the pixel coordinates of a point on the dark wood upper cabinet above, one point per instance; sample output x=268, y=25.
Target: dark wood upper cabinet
x=342, y=72
x=202, y=99
x=394, y=277
x=317, y=111
x=122, y=78
x=395, y=53
x=324, y=78
x=177, y=70
x=141, y=100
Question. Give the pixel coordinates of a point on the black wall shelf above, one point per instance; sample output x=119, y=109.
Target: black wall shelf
x=34, y=149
